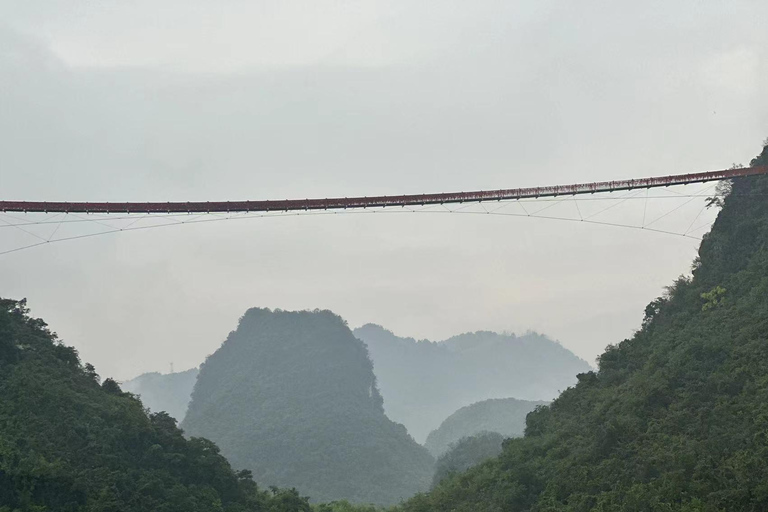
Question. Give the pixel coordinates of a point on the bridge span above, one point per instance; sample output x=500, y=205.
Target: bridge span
x=339, y=203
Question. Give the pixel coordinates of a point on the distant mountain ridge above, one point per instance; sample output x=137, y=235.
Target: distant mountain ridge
x=504, y=416
x=292, y=397
x=169, y=392
x=423, y=382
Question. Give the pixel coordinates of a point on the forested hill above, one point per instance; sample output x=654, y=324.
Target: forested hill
x=676, y=418
x=423, y=382
x=69, y=443
x=164, y=392
x=292, y=396
x=505, y=416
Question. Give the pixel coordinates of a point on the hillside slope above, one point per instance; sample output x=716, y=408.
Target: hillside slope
x=71, y=444
x=505, y=416
x=292, y=396
x=164, y=392
x=676, y=418
x=467, y=452
x=423, y=382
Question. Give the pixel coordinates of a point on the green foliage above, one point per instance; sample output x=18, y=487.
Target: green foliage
x=503, y=415
x=292, y=396
x=713, y=298
x=722, y=190
x=69, y=444
x=676, y=418
x=424, y=382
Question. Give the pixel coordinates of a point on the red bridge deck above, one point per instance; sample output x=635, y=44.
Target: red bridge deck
x=376, y=201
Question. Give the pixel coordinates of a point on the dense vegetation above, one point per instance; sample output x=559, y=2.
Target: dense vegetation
x=467, y=452
x=69, y=443
x=676, y=418
x=424, y=382
x=292, y=397
x=505, y=416
x=164, y=392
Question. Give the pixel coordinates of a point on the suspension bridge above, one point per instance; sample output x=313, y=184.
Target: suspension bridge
x=376, y=201
x=47, y=221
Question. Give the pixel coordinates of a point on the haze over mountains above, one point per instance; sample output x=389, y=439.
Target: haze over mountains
x=164, y=392
x=504, y=416
x=424, y=382
x=292, y=397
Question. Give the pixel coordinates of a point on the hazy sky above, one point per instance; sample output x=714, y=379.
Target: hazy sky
x=198, y=100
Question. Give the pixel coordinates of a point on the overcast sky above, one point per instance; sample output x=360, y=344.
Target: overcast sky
x=197, y=100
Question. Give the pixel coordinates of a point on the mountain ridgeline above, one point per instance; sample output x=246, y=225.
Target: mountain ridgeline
x=69, y=443
x=424, y=382
x=505, y=416
x=676, y=418
x=292, y=397
x=164, y=392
